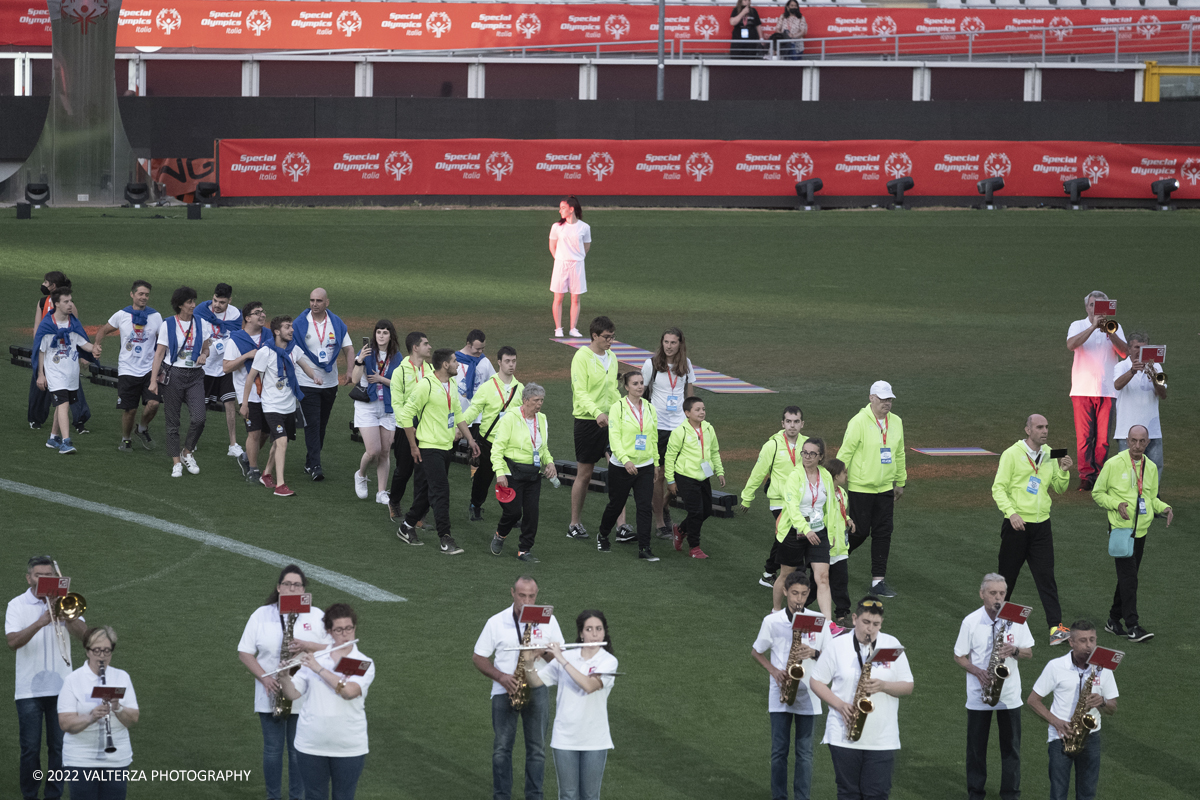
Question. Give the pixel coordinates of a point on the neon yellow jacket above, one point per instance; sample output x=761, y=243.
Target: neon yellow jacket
x=490, y=398
x=1012, y=481
x=511, y=439
x=623, y=430
x=593, y=388
x=835, y=524
x=404, y=379
x=794, y=489
x=684, y=455
x=774, y=463
x=1117, y=483
x=428, y=403
x=860, y=451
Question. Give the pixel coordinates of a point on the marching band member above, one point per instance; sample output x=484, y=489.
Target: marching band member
x=973, y=652
x=776, y=635
x=331, y=734
x=260, y=649
x=863, y=768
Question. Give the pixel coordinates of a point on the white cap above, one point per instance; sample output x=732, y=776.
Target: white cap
x=882, y=390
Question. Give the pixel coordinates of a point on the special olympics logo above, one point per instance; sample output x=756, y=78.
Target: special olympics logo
x=1148, y=26
x=85, y=12
x=1095, y=168
x=258, y=21
x=168, y=20
x=600, y=165
x=438, y=22
x=972, y=25
x=617, y=25
x=499, y=163
x=898, y=164
x=348, y=22
x=699, y=166
x=799, y=166
x=296, y=166
x=997, y=165
x=398, y=164
x=528, y=24
x=1060, y=27
x=883, y=27
x=1191, y=171
x=706, y=25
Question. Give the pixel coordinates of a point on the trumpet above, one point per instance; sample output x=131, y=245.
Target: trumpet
x=295, y=662
x=67, y=608
x=1109, y=326
x=571, y=646
x=1160, y=378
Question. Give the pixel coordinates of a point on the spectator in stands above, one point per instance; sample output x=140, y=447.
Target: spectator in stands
x=745, y=22
x=790, y=32
x=1137, y=400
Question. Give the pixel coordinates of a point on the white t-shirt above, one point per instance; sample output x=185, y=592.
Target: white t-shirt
x=220, y=341
x=233, y=353
x=666, y=394
x=581, y=719
x=483, y=373
x=263, y=638
x=86, y=749
x=571, y=238
x=184, y=331
x=812, y=507
x=1092, y=370
x=329, y=724
x=137, y=342
x=775, y=634
x=975, y=638
x=61, y=360
x=40, y=668
x=501, y=631
x=322, y=337
x=838, y=668
x=1137, y=404
x=1064, y=680
x=277, y=396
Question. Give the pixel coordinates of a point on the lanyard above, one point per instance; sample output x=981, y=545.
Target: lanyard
x=187, y=337
x=533, y=429
x=813, y=487
x=671, y=377
x=841, y=503
x=884, y=428
x=858, y=654
x=416, y=367
x=636, y=413
x=446, y=385
x=700, y=436
x=500, y=392
x=791, y=448
x=1140, y=476
x=1035, y=465
x=320, y=331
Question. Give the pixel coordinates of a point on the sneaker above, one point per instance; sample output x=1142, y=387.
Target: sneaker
x=254, y=476
x=317, y=473
x=235, y=451
x=696, y=552
x=767, y=580
x=663, y=532
x=66, y=448
x=1086, y=486
x=54, y=442
x=267, y=480
x=35, y=426
x=177, y=471
x=360, y=485
x=677, y=538
x=1059, y=634
x=1139, y=634
x=283, y=491
x=497, y=544
x=558, y=333
x=144, y=436
x=528, y=558
x=408, y=534
x=81, y=429
x=668, y=523
x=625, y=534
x=881, y=589
x=395, y=514
x=835, y=629
x=602, y=544
x=244, y=465
x=125, y=446
x=576, y=532
x=383, y=498
x=449, y=546
x=645, y=554
x=575, y=333
x=189, y=461
x=473, y=513
x=1115, y=627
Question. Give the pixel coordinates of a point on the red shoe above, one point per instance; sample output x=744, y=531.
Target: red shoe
x=835, y=629
x=267, y=480
x=283, y=491
x=677, y=537
x=696, y=552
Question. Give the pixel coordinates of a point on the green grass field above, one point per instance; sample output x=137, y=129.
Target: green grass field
x=965, y=313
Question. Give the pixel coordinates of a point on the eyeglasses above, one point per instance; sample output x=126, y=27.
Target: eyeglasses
x=292, y=585
x=100, y=651
x=258, y=312
x=347, y=629
x=608, y=337
x=812, y=453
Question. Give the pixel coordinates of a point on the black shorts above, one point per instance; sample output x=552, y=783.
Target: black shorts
x=132, y=390
x=591, y=441
x=663, y=438
x=797, y=551
x=219, y=388
x=280, y=425
x=60, y=396
x=255, y=421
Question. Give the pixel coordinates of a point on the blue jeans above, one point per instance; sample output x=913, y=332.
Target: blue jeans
x=98, y=789
x=30, y=711
x=781, y=730
x=579, y=773
x=1087, y=769
x=320, y=771
x=278, y=735
x=504, y=723
x=1153, y=452
x=862, y=774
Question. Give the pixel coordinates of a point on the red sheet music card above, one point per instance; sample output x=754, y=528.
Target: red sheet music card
x=349, y=667
x=1105, y=658
x=295, y=603
x=1153, y=353
x=1105, y=308
x=536, y=615
x=806, y=624
x=108, y=693
x=886, y=655
x=53, y=586
x=1014, y=612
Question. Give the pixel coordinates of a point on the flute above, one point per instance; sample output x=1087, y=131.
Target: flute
x=571, y=646
x=296, y=663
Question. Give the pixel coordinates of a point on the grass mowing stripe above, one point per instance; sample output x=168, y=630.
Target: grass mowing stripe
x=355, y=587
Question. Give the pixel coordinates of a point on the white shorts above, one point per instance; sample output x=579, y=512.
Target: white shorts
x=373, y=415
x=569, y=278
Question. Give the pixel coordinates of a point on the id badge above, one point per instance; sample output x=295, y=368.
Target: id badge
x=672, y=402
x=219, y=346
x=450, y=420
x=639, y=442
x=1034, y=484
x=745, y=33
x=322, y=355
x=706, y=468
x=537, y=458
x=1142, y=505
x=885, y=455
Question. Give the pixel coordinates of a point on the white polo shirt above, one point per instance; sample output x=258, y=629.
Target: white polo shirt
x=581, y=719
x=838, y=668
x=321, y=337
x=666, y=394
x=975, y=638
x=137, y=342
x=184, y=333
x=1137, y=404
x=329, y=724
x=61, y=360
x=233, y=353
x=263, y=638
x=214, y=366
x=1092, y=370
x=40, y=668
x=86, y=749
x=775, y=634
x=501, y=631
x=1064, y=680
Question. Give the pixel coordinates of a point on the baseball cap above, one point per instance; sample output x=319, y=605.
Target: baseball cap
x=882, y=390
x=505, y=494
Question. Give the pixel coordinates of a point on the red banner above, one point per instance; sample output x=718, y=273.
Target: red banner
x=349, y=167
x=273, y=25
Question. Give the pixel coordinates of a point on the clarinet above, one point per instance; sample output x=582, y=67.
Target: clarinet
x=109, y=747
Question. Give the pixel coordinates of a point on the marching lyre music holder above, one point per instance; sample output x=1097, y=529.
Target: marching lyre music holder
x=1105, y=658
x=107, y=694
x=536, y=615
x=886, y=655
x=52, y=586
x=1015, y=613
x=295, y=603
x=807, y=624
x=351, y=667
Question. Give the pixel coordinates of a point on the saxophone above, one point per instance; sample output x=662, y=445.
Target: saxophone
x=519, y=696
x=280, y=706
x=793, y=672
x=1082, y=723
x=997, y=669
x=862, y=702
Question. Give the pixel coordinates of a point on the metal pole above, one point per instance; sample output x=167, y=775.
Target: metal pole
x=662, y=67
x=1116, y=45
x=1043, y=44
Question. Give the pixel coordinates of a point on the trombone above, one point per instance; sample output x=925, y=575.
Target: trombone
x=67, y=608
